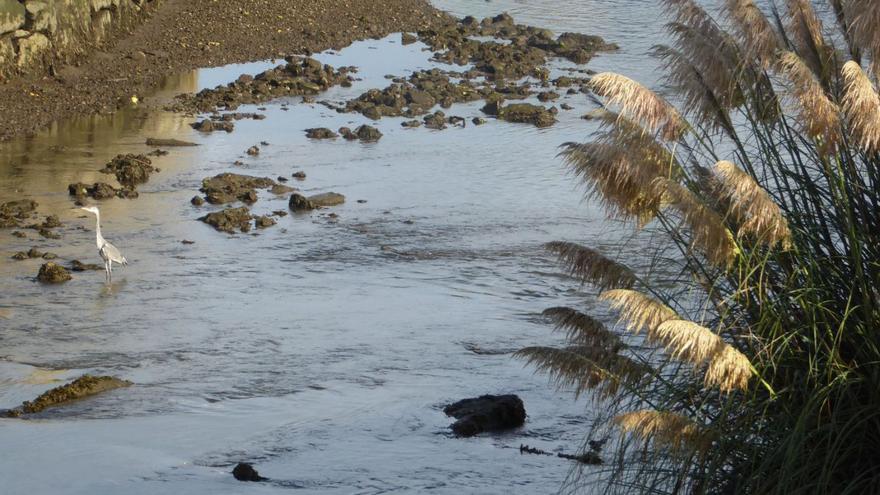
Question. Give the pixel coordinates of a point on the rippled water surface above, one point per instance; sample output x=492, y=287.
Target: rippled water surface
x=320, y=349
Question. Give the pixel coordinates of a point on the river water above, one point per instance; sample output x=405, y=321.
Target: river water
x=321, y=350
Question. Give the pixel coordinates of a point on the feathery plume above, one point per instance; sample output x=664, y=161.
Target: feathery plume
x=591, y=266
x=806, y=30
x=729, y=370
x=708, y=232
x=582, y=329
x=818, y=114
x=584, y=368
x=665, y=429
x=640, y=104
x=688, y=341
x=864, y=17
x=639, y=311
x=861, y=105
x=755, y=31
x=752, y=207
x=619, y=177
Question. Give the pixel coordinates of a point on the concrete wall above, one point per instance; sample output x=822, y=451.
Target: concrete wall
x=35, y=33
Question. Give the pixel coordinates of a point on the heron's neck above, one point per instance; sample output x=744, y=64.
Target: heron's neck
x=99, y=239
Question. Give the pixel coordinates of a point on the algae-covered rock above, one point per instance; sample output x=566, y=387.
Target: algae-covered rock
x=298, y=202
x=230, y=219
x=368, y=133
x=13, y=211
x=53, y=273
x=226, y=188
x=527, y=113
x=321, y=133
x=130, y=169
x=264, y=222
x=82, y=387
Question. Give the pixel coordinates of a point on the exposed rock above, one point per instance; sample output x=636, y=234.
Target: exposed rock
x=411, y=123
x=226, y=188
x=566, y=106
x=245, y=472
x=169, y=143
x=82, y=387
x=299, y=175
x=279, y=189
x=436, y=120
x=407, y=38
x=230, y=219
x=13, y=212
x=253, y=151
x=98, y=190
x=21, y=255
x=478, y=121
x=197, y=201
x=298, y=202
x=527, y=113
x=321, y=133
x=130, y=169
x=327, y=199
x=347, y=133
x=53, y=273
x=264, y=221
x=368, y=133
x=49, y=256
x=51, y=222
x=487, y=413
x=208, y=125
x=34, y=253
x=548, y=96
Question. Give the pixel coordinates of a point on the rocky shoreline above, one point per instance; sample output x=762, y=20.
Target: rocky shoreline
x=183, y=35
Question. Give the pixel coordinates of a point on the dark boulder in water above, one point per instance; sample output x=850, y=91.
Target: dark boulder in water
x=246, y=472
x=486, y=413
x=229, y=220
x=53, y=273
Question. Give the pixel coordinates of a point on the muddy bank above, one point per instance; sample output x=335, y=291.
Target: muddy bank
x=183, y=35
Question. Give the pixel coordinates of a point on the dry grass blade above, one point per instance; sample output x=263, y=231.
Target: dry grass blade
x=673, y=431
x=818, y=114
x=757, y=35
x=688, y=341
x=591, y=266
x=582, y=329
x=708, y=232
x=729, y=370
x=750, y=204
x=640, y=312
x=640, y=104
x=583, y=368
x=861, y=106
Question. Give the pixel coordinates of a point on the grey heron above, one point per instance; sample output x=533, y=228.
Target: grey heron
x=108, y=251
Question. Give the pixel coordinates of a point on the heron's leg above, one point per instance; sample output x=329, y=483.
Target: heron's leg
x=107, y=271
x=110, y=269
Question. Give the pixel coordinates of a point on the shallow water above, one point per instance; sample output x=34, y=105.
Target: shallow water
x=320, y=350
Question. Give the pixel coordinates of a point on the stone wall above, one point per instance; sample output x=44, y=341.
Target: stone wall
x=37, y=33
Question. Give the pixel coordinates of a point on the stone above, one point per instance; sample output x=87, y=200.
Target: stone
x=300, y=175
x=130, y=169
x=53, y=273
x=327, y=199
x=12, y=16
x=321, y=133
x=298, y=202
x=253, y=151
x=246, y=472
x=368, y=133
x=197, y=201
x=31, y=49
x=527, y=113
x=264, y=221
x=41, y=17
x=407, y=38
x=487, y=413
x=229, y=220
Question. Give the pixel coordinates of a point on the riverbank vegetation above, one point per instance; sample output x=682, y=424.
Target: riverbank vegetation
x=748, y=361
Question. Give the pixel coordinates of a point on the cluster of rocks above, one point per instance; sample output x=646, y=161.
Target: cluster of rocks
x=365, y=133
x=224, y=121
x=82, y=387
x=130, y=171
x=228, y=187
x=13, y=213
x=298, y=77
x=33, y=253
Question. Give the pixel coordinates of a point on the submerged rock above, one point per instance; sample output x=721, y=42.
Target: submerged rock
x=79, y=266
x=84, y=386
x=130, y=169
x=230, y=220
x=53, y=273
x=246, y=472
x=487, y=413
x=209, y=125
x=158, y=142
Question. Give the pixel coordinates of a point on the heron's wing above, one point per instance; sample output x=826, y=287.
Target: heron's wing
x=111, y=253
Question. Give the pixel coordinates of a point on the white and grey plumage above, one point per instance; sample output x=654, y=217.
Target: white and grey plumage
x=107, y=251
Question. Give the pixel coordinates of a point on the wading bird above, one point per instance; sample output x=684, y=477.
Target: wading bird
x=108, y=251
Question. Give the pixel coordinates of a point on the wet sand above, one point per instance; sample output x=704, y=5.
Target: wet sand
x=183, y=35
